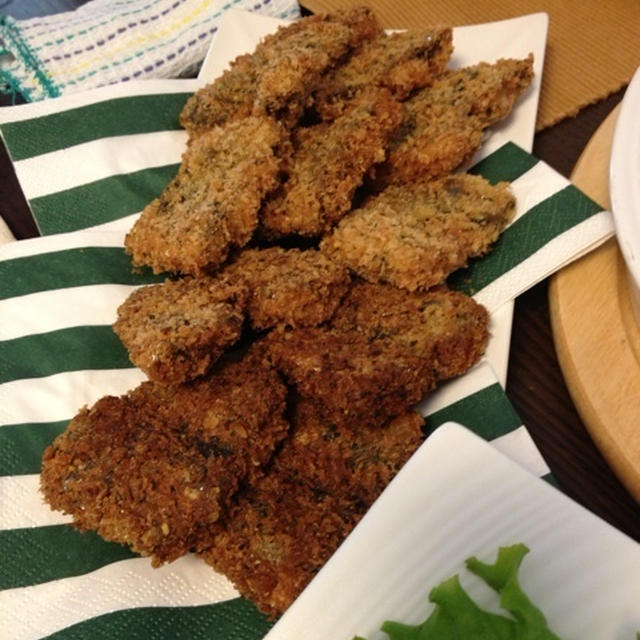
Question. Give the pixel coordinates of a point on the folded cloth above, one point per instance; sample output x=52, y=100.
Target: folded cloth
x=87, y=164
x=103, y=42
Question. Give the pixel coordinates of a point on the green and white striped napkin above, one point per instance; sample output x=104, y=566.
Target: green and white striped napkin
x=88, y=163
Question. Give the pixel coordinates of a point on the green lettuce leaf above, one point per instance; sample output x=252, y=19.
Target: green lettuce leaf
x=457, y=616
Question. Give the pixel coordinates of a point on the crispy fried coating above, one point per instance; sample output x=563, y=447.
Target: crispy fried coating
x=448, y=327
x=401, y=62
x=347, y=460
x=293, y=60
x=415, y=235
x=275, y=539
x=329, y=163
x=445, y=140
x=350, y=376
x=486, y=90
x=278, y=77
x=289, y=286
x=285, y=527
x=174, y=331
x=212, y=204
x=443, y=124
x=154, y=468
x=229, y=97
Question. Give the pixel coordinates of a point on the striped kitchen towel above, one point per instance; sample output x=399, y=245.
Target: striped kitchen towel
x=104, y=42
x=88, y=163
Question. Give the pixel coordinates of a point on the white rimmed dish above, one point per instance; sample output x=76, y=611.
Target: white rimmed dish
x=457, y=497
x=624, y=184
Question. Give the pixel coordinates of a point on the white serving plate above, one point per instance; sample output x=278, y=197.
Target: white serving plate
x=624, y=184
x=457, y=497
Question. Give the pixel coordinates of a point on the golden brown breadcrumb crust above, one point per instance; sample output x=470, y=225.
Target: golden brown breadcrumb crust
x=443, y=124
x=329, y=163
x=276, y=537
x=447, y=327
x=174, y=331
x=289, y=286
x=278, y=77
x=414, y=235
x=283, y=528
x=349, y=376
x=347, y=460
x=401, y=62
x=154, y=468
x=212, y=204
x=383, y=350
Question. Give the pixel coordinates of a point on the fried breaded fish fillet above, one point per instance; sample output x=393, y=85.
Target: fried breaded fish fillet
x=350, y=376
x=443, y=124
x=276, y=537
x=212, y=204
x=329, y=163
x=281, y=530
x=278, y=77
x=154, y=468
x=174, y=331
x=402, y=62
x=414, y=235
x=347, y=460
x=289, y=286
x=448, y=327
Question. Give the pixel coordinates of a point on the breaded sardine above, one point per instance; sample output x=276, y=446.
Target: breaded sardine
x=402, y=62
x=212, y=204
x=289, y=287
x=447, y=327
x=275, y=539
x=283, y=528
x=174, y=331
x=414, y=235
x=443, y=124
x=154, y=468
x=278, y=77
x=347, y=460
x=351, y=377
x=328, y=165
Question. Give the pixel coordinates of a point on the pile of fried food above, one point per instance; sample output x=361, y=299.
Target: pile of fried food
x=308, y=233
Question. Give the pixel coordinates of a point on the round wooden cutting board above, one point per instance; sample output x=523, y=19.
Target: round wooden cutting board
x=596, y=333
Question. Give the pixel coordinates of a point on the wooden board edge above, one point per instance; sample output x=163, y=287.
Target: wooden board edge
x=597, y=287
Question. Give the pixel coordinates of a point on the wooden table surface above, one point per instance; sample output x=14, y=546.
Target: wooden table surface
x=535, y=384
